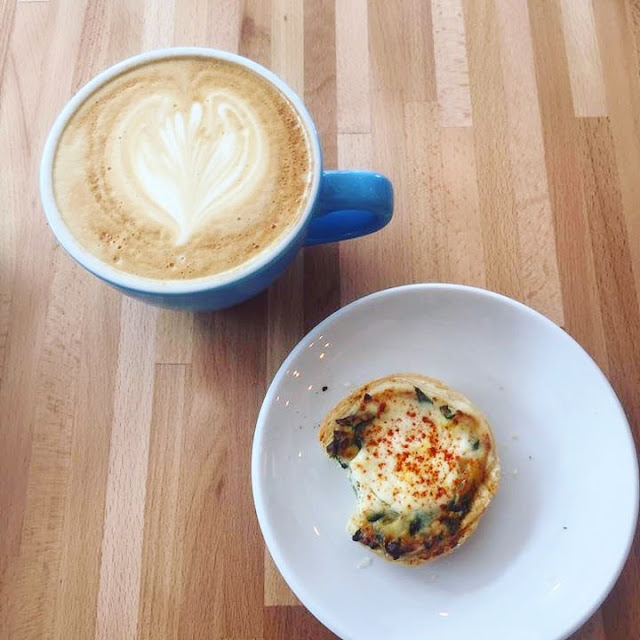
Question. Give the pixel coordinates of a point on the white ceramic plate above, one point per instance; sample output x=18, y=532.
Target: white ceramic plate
x=554, y=539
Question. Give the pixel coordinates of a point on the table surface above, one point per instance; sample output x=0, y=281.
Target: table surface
x=511, y=132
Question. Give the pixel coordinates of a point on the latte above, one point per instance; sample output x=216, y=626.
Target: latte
x=182, y=168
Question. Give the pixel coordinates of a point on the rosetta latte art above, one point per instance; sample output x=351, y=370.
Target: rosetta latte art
x=196, y=165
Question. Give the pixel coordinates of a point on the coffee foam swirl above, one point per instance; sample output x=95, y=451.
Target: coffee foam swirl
x=182, y=168
x=196, y=165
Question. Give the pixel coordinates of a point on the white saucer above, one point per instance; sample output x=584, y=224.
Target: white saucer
x=554, y=539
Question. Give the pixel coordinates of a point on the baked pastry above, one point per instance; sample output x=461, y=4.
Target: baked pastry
x=422, y=461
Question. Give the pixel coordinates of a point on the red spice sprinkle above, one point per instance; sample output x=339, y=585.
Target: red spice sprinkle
x=425, y=419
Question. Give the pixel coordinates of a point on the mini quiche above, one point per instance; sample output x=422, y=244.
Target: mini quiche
x=422, y=461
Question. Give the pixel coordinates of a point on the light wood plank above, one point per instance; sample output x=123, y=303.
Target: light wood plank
x=583, y=54
x=121, y=561
x=390, y=158
x=462, y=207
x=122, y=21
x=158, y=20
x=493, y=161
x=7, y=12
x=287, y=42
x=425, y=197
x=452, y=74
x=5, y=315
x=79, y=574
x=162, y=556
x=352, y=58
x=208, y=23
x=174, y=338
x=33, y=595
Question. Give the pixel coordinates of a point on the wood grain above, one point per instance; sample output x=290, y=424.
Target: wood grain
x=451, y=66
x=511, y=132
x=532, y=205
x=352, y=63
x=494, y=171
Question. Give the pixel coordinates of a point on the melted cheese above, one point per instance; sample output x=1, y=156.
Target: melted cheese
x=410, y=459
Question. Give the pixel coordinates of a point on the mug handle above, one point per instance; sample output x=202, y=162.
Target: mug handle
x=350, y=204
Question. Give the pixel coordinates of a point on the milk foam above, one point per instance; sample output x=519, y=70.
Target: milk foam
x=198, y=165
x=182, y=168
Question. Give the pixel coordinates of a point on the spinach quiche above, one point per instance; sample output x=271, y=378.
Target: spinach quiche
x=422, y=461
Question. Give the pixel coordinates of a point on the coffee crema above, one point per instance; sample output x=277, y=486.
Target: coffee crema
x=182, y=168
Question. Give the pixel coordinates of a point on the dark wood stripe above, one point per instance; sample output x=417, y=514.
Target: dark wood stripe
x=622, y=80
x=255, y=35
x=591, y=630
x=294, y=622
x=321, y=264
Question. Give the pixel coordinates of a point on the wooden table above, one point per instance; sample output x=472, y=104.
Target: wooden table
x=512, y=135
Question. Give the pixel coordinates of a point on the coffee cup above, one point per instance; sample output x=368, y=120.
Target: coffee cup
x=190, y=178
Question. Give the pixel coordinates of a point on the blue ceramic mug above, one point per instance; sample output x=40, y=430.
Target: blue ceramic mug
x=341, y=205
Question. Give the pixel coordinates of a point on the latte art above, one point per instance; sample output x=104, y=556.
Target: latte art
x=196, y=165
x=182, y=168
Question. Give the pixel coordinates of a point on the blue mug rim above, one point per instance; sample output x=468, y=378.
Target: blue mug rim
x=140, y=284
